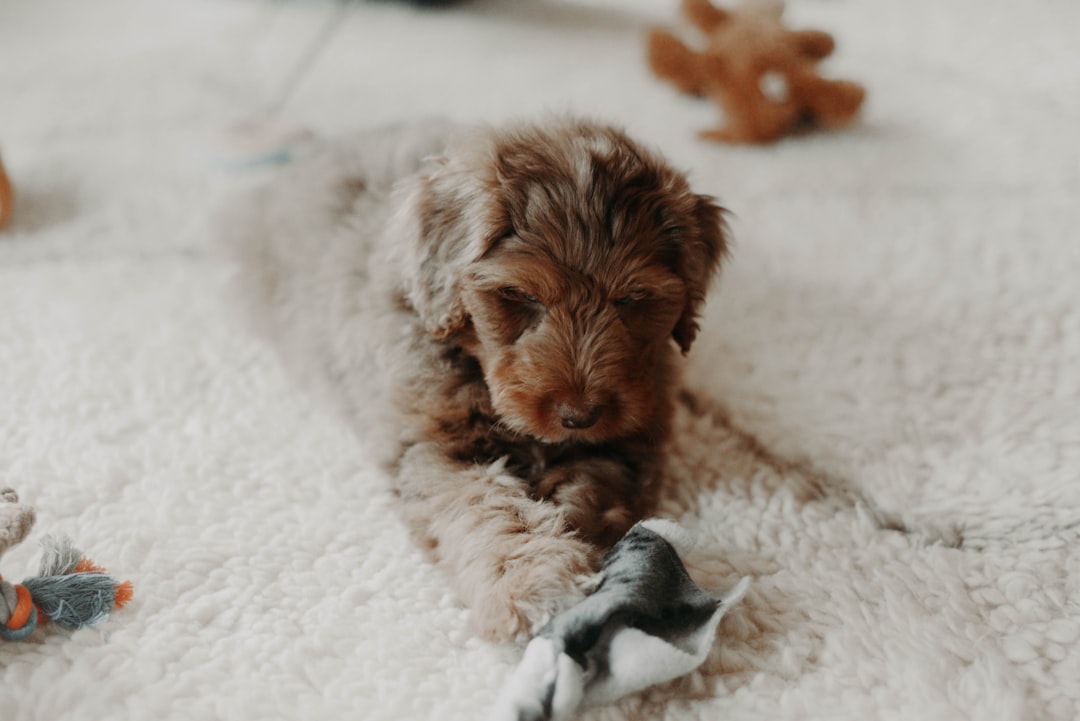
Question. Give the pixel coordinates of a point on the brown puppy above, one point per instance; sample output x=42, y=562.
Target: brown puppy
x=505, y=320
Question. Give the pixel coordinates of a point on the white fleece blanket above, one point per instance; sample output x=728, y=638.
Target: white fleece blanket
x=901, y=315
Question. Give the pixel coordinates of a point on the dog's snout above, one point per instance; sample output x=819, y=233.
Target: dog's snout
x=578, y=416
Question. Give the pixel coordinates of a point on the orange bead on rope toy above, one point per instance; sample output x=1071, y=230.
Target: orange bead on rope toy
x=7, y=196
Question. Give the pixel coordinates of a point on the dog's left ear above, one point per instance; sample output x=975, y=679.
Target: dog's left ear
x=704, y=243
x=440, y=229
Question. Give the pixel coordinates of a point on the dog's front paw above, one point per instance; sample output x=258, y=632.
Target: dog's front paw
x=545, y=576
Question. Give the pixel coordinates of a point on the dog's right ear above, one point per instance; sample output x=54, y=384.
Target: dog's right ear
x=442, y=226
x=704, y=245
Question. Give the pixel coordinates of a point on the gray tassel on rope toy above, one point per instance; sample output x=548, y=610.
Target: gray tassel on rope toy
x=69, y=589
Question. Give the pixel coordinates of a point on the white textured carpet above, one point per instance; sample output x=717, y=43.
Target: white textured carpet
x=902, y=313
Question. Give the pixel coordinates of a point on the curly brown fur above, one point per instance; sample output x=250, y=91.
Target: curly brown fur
x=504, y=322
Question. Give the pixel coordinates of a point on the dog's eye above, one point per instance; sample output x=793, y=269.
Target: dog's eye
x=517, y=295
x=632, y=297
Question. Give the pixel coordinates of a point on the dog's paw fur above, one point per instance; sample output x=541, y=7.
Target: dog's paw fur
x=547, y=576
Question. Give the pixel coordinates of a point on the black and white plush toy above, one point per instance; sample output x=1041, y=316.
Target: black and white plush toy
x=647, y=622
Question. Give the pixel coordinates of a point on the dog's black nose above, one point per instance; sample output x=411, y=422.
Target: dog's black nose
x=577, y=417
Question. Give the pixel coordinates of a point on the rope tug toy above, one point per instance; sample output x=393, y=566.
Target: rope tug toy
x=69, y=590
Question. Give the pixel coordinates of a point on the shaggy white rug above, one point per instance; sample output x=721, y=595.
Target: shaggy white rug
x=901, y=315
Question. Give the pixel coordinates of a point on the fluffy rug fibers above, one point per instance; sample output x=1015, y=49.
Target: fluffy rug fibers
x=900, y=319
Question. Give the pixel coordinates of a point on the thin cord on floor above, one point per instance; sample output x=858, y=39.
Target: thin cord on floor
x=314, y=50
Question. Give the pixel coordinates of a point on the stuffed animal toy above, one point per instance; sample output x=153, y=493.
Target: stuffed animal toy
x=763, y=75
x=69, y=590
x=645, y=623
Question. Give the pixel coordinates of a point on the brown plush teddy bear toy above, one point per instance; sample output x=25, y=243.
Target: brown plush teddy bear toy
x=763, y=75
